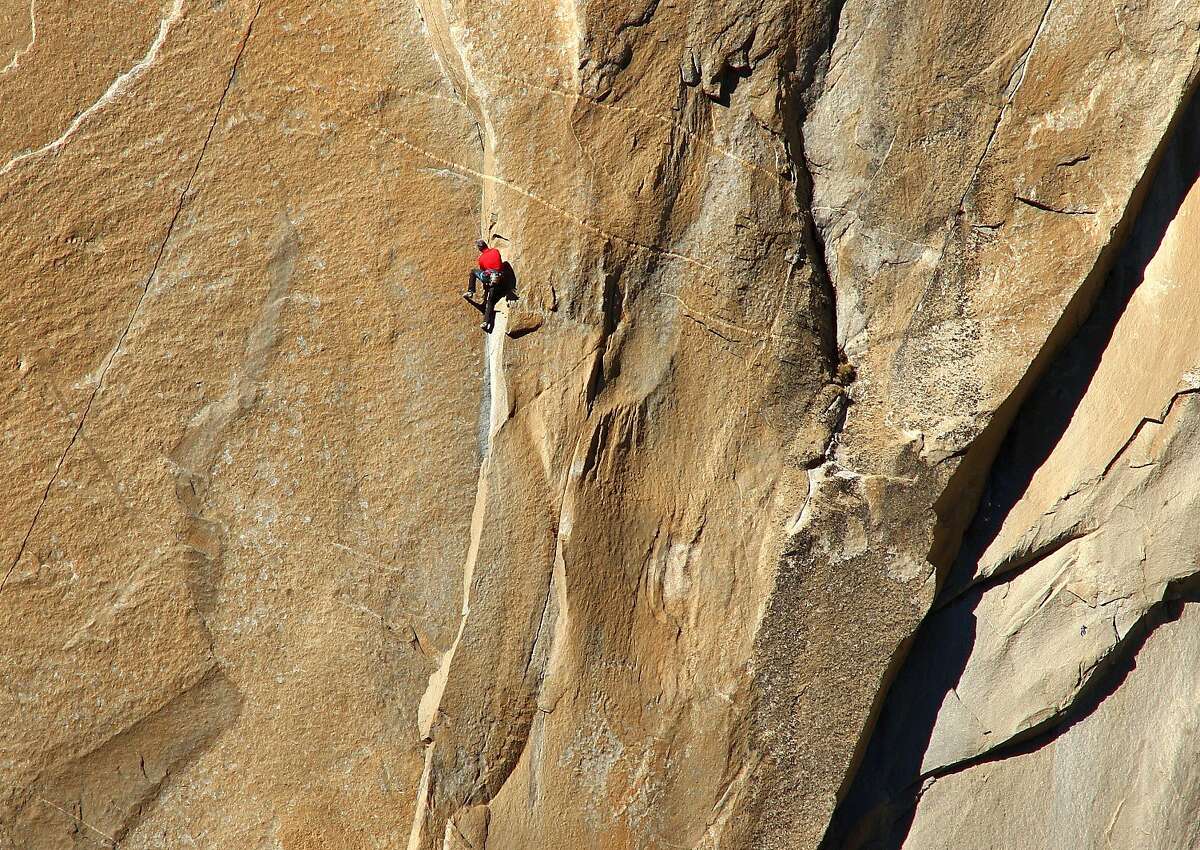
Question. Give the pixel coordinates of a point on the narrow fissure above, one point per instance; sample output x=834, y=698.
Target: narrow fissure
x=451, y=57
x=795, y=108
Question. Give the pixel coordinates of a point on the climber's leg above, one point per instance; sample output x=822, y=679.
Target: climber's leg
x=492, y=295
x=473, y=276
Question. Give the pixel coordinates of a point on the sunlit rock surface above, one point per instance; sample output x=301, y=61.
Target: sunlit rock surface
x=1123, y=776
x=294, y=556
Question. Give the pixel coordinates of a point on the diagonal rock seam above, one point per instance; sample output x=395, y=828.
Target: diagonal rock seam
x=209, y=703
x=1120, y=654
x=1006, y=571
x=1102, y=682
x=1044, y=207
x=141, y=298
x=1015, y=80
x=114, y=89
x=111, y=841
x=495, y=181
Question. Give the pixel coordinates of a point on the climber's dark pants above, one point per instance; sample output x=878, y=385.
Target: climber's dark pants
x=491, y=294
x=491, y=297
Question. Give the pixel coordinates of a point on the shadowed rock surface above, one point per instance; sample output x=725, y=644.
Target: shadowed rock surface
x=295, y=557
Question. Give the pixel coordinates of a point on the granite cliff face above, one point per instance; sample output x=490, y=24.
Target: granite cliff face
x=827, y=485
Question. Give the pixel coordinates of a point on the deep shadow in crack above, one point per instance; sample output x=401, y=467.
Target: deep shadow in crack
x=728, y=83
x=879, y=807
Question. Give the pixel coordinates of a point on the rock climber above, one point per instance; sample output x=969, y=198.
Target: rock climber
x=492, y=275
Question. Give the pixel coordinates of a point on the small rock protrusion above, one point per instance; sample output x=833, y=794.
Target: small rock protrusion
x=689, y=68
x=522, y=320
x=739, y=60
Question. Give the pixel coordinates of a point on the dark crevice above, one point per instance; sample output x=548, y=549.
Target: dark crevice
x=1038, y=205
x=813, y=247
x=820, y=63
x=646, y=16
x=880, y=804
x=612, y=310
x=727, y=82
x=1008, y=571
x=810, y=78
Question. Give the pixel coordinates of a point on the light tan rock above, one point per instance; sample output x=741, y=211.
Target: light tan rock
x=522, y=320
x=1119, y=535
x=1123, y=776
x=216, y=348
x=950, y=156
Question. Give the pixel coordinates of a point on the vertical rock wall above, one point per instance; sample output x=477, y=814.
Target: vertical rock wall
x=295, y=557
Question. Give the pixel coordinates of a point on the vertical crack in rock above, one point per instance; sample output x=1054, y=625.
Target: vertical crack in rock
x=787, y=794
x=451, y=57
x=879, y=805
x=814, y=247
x=431, y=700
x=798, y=93
x=137, y=308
